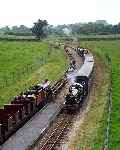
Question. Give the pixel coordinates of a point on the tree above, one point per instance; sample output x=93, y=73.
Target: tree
x=39, y=29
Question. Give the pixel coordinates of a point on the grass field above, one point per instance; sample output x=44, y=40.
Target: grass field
x=112, y=48
x=23, y=64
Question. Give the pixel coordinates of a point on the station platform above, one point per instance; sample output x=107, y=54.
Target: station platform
x=31, y=131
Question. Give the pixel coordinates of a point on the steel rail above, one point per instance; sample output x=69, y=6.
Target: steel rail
x=54, y=137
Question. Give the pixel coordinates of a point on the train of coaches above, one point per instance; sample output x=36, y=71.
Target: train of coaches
x=23, y=106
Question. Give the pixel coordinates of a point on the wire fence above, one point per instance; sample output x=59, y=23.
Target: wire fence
x=9, y=78
x=109, y=108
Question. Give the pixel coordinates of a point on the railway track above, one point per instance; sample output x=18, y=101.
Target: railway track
x=50, y=139
x=55, y=135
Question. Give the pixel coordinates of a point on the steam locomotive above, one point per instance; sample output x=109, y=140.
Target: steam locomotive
x=80, y=87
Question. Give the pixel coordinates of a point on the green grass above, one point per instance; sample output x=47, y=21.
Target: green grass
x=113, y=49
x=21, y=66
x=83, y=37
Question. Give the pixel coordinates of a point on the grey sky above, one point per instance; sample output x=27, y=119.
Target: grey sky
x=16, y=12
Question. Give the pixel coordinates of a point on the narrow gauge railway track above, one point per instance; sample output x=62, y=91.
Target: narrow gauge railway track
x=55, y=135
x=49, y=141
x=58, y=86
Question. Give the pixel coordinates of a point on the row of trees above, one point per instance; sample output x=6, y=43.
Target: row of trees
x=41, y=29
x=15, y=29
x=98, y=27
x=95, y=28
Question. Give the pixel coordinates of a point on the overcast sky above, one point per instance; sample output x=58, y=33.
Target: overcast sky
x=17, y=12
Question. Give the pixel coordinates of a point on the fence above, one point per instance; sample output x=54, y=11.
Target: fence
x=11, y=77
x=109, y=109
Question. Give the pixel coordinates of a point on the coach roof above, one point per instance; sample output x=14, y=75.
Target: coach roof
x=87, y=67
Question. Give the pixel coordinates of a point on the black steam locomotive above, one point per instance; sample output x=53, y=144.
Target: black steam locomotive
x=79, y=89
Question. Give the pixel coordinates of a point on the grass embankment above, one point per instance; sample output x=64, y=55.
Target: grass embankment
x=23, y=64
x=113, y=49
